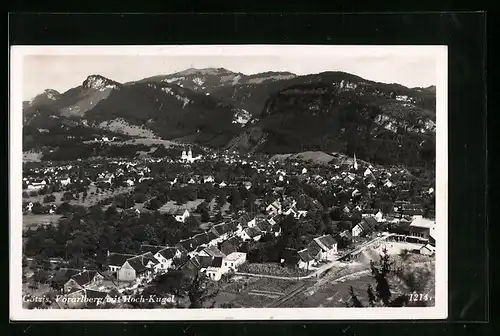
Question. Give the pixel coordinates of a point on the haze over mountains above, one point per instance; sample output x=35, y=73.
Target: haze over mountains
x=270, y=112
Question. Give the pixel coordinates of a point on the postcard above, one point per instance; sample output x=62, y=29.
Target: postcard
x=228, y=182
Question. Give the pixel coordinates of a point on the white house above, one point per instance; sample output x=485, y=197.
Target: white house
x=222, y=184
x=251, y=234
x=274, y=208
x=208, y=179
x=129, y=182
x=367, y=172
x=214, y=273
x=233, y=261
x=388, y=184
x=182, y=217
x=166, y=256
x=306, y=261
x=328, y=246
x=304, y=171
x=379, y=216
x=65, y=182
x=37, y=185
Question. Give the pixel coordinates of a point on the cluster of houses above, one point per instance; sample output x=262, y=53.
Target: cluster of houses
x=128, y=172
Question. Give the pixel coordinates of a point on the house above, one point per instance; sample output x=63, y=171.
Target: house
x=222, y=231
x=83, y=279
x=264, y=226
x=412, y=210
x=274, y=208
x=166, y=256
x=421, y=227
x=129, y=182
x=233, y=261
x=212, y=252
x=116, y=260
x=181, y=216
x=214, y=273
x=364, y=227
x=189, y=245
x=212, y=238
x=306, y=261
x=428, y=249
x=328, y=246
x=208, y=179
x=252, y=233
x=227, y=247
x=65, y=182
x=346, y=237
x=379, y=216
x=136, y=267
x=63, y=275
x=37, y=185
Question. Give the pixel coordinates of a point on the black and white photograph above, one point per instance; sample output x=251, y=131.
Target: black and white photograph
x=244, y=182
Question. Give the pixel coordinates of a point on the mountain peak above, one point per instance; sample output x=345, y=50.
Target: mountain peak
x=99, y=82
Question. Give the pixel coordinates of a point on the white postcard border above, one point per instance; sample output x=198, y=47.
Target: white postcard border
x=439, y=311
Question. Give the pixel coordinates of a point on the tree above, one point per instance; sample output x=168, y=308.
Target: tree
x=218, y=217
x=414, y=279
x=205, y=216
x=191, y=223
x=41, y=276
x=235, y=199
x=49, y=198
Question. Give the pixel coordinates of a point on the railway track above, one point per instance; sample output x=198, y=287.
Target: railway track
x=287, y=296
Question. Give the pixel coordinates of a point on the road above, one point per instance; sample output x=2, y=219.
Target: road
x=323, y=268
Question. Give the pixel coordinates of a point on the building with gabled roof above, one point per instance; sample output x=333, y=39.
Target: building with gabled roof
x=306, y=261
x=328, y=246
x=83, y=279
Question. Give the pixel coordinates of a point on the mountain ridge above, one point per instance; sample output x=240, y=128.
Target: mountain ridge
x=273, y=112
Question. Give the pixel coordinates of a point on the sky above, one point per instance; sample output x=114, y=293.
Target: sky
x=62, y=71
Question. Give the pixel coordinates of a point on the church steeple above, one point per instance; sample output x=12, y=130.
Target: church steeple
x=355, y=162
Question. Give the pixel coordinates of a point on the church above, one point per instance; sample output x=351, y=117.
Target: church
x=188, y=156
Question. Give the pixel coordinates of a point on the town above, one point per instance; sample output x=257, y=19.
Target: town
x=259, y=231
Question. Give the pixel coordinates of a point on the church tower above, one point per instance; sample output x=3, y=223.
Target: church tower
x=184, y=156
x=355, y=162
x=190, y=154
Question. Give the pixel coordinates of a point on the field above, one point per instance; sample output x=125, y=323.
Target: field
x=171, y=206
x=33, y=221
x=32, y=156
x=90, y=200
x=256, y=292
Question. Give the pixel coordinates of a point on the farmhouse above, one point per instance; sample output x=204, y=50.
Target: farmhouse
x=306, y=260
x=328, y=246
x=166, y=257
x=421, y=227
